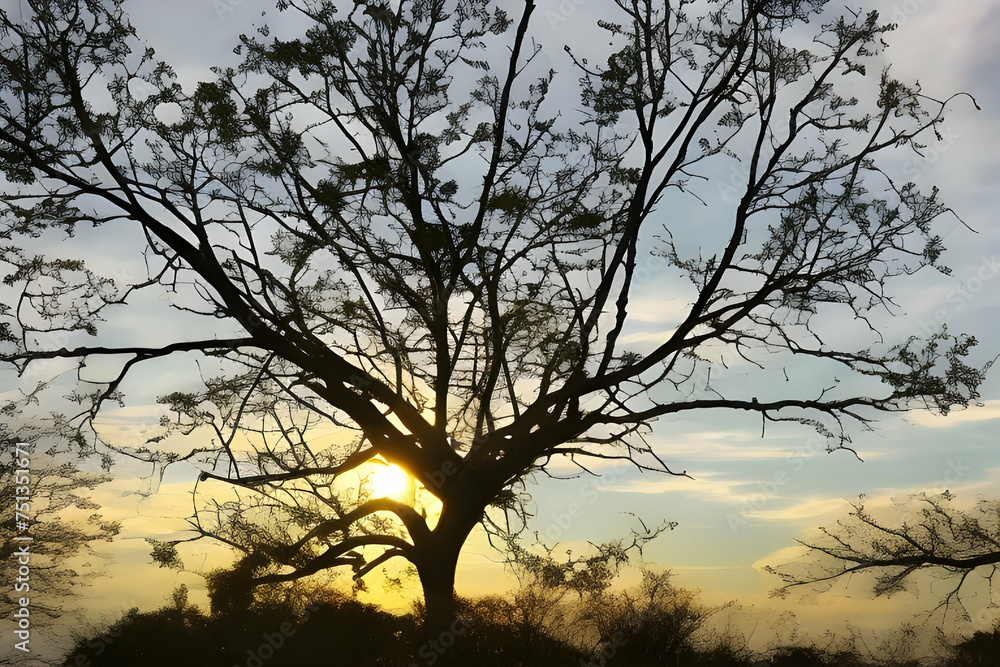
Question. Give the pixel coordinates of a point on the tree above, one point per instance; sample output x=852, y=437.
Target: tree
x=932, y=534
x=979, y=650
x=56, y=490
x=387, y=226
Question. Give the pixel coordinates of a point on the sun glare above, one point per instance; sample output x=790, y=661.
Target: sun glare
x=389, y=481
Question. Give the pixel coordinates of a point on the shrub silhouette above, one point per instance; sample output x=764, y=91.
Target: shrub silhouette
x=980, y=650
x=498, y=631
x=800, y=656
x=656, y=624
x=275, y=634
x=150, y=638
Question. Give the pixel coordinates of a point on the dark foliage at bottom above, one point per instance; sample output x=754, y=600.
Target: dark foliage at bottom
x=490, y=632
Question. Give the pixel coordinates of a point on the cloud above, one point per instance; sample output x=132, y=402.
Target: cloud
x=988, y=410
x=952, y=479
x=158, y=514
x=564, y=466
x=651, y=307
x=718, y=489
x=648, y=337
x=806, y=509
x=715, y=451
x=781, y=557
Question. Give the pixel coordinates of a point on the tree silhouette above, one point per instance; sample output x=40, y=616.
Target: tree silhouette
x=57, y=489
x=385, y=225
x=979, y=650
x=932, y=535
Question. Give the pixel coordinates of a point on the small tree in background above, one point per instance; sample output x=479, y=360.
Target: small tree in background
x=58, y=490
x=930, y=535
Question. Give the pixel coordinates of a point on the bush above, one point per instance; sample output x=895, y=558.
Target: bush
x=980, y=650
x=654, y=625
x=273, y=634
x=646, y=627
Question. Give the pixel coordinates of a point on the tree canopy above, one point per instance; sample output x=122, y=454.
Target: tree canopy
x=392, y=222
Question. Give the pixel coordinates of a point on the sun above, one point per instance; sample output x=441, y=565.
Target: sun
x=389, y=481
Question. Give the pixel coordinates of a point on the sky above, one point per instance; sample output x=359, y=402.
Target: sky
x=748, y=497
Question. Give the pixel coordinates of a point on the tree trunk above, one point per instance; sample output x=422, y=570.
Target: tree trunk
x=438, y=581
x=436, y=567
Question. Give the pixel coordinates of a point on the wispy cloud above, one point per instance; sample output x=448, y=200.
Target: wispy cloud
x=988, y=410
x=714, y=451
x=656, y=309
x=953, y=480
x=704, y=486
x=648, y=337
x=805, y=509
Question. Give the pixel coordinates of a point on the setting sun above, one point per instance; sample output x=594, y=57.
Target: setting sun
x=388, y=480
